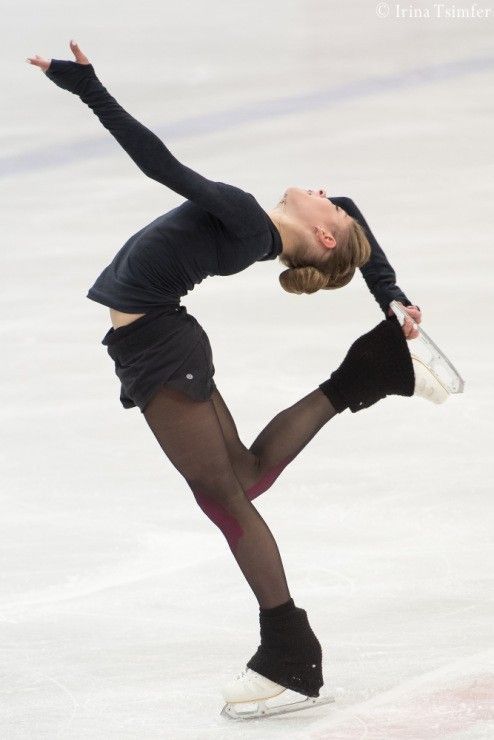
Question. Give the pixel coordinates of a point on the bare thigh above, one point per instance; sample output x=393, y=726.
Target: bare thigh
x=190, y=434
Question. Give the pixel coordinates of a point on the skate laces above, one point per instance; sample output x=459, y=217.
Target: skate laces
x=247, y=674
x=242, y=674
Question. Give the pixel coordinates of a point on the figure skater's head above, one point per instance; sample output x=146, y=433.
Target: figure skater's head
x=322, y=244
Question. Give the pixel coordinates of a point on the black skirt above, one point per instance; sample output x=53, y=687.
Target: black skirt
x=164, y=347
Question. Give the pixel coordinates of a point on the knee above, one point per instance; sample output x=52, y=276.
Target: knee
x=220, y=488
x=222, y=501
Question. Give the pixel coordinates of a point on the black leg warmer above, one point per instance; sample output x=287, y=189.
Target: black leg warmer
x=378, y=364
x=289, y=654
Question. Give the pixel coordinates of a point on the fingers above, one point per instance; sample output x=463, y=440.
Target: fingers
x=38, y=61
x=410, y=326
x=409, y=329
x=415, y=313
x=79, y=56
x=43, y=63
x=414, y=317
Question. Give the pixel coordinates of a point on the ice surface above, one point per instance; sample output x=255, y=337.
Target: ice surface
x=122, y=610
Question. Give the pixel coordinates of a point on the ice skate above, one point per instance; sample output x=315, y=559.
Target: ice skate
x=250, y=695
x=378, y=364
x=436, y=378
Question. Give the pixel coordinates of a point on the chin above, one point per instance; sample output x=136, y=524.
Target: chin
x=282, y=202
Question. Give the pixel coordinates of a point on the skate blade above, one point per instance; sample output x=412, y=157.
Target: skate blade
x=273, y=706
x=424, y=349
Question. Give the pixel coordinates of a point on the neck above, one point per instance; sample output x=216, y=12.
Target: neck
x=287, y=230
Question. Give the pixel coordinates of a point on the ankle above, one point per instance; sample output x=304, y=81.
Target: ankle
x=290, y=653
x=277, y=611
x=377, y=364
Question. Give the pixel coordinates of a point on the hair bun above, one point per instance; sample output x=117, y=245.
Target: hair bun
x=339, y=281
x=303, y=280
x=339, y=267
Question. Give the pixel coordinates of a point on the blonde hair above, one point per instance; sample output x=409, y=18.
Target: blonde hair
x=336, y=271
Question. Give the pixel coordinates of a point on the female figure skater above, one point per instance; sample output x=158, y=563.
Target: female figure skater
x=164, y=360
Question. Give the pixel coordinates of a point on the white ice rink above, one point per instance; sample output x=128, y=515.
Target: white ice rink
x=122, y=610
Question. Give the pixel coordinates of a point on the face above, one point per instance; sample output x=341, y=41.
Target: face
x=312, y=210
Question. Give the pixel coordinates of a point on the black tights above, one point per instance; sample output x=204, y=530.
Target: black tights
x=201, y=440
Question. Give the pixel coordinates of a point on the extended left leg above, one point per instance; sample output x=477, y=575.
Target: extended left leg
x=377, y=364
x=277, y=444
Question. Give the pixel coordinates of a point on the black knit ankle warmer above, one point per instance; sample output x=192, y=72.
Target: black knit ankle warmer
x=289, y=654
x=377, y=364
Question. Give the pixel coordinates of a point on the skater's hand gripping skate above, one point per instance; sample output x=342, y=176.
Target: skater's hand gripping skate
x=66, y=74
x=409, y=327
x=435, y=375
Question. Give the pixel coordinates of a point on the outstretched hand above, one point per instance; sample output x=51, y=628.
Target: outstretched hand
x=43, y=63
x=409, y=327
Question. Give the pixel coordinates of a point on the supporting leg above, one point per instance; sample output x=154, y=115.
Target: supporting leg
x=191, y=437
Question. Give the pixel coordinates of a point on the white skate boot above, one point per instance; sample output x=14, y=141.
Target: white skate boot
x=251, y=695
x=436, y=378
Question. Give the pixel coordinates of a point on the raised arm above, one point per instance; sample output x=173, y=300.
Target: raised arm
x=377, y=272
x=149, y=153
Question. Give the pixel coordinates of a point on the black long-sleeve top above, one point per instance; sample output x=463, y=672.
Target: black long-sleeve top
x=219, y=230
x=378, y=273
